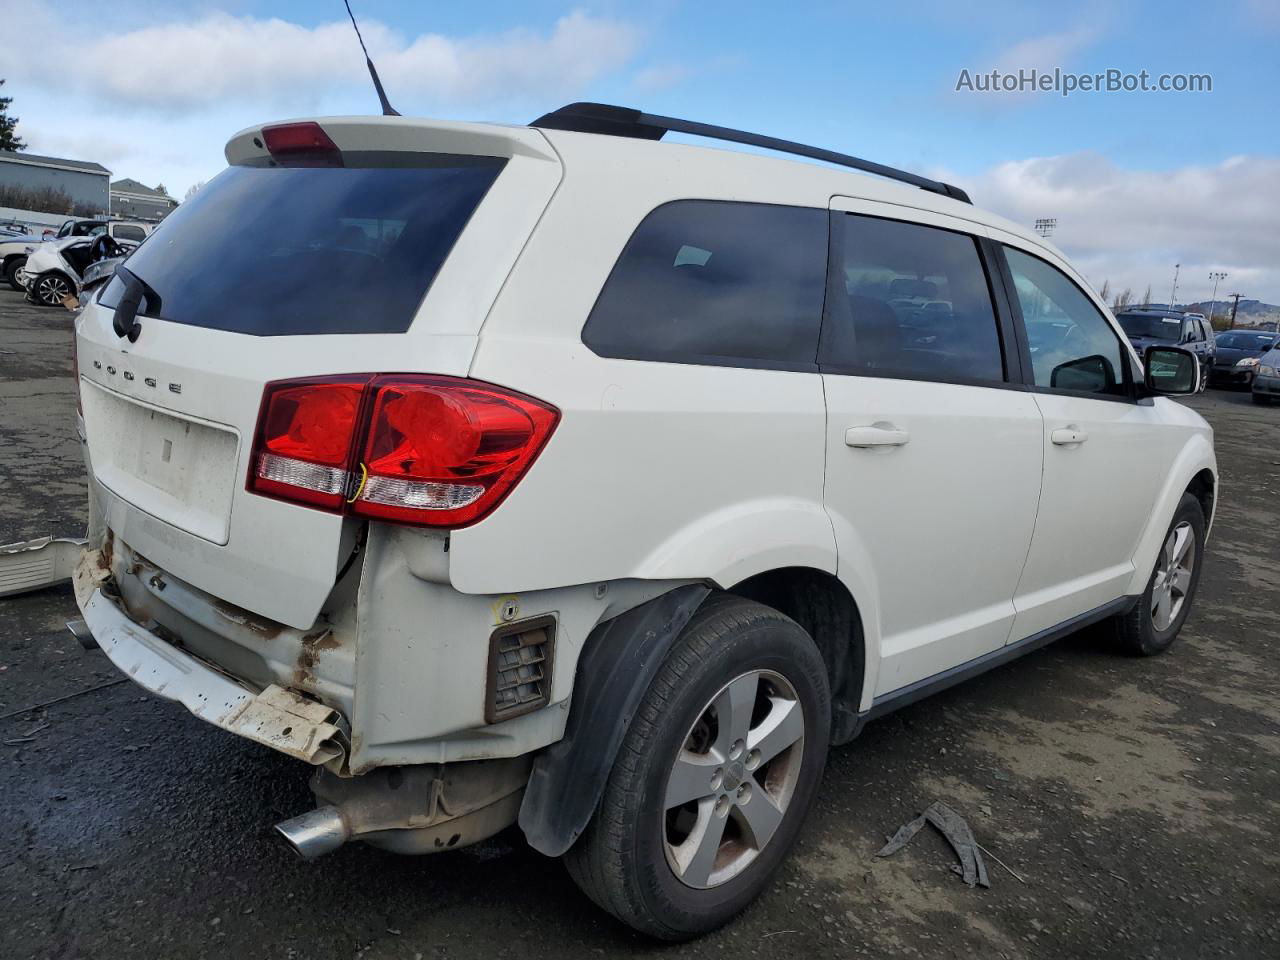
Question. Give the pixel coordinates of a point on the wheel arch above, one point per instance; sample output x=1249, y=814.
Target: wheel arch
x=1193, y=471
x=825, y=608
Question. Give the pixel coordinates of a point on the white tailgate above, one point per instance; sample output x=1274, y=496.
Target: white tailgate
x=182, y=468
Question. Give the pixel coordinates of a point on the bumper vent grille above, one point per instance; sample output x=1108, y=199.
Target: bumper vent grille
x=519, y=668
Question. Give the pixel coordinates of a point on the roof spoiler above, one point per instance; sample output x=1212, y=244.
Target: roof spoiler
x=614, y=121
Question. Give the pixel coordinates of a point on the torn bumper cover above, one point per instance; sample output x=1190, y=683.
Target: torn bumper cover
x=275, y=717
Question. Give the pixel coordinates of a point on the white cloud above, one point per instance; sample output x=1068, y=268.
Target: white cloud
x=1132, y=226
x=1046, y=51
x=218, y=57
x=662, y=77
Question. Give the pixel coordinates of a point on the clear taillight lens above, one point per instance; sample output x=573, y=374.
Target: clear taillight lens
x=431, y=450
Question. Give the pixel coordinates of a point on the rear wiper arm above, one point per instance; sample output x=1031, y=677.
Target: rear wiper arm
x=125, y=320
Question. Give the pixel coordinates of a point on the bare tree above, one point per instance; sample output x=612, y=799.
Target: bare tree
x=192, y=190
x=1105, y=291
x=1146, y=297
x=1123, y=299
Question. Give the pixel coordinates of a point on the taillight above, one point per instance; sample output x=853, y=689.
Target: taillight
x=301, y=145
x=430, y=450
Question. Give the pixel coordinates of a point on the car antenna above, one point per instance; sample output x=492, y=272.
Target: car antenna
x=387, y=109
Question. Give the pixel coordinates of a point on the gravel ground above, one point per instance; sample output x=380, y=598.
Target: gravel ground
x=1138, y=801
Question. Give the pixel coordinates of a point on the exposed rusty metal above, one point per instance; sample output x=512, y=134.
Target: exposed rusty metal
x=313, y=644
x=240, y=616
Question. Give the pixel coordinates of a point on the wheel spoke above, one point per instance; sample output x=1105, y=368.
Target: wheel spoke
x=759, y=817
x=1182, y=540
x=1182, y=581
x=781, y=728
x=733, y=711
x=690, y=778
x=1163, y=609
x=696, y=857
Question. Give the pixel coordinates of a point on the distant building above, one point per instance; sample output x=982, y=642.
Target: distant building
x=87, y=184
x=132, y=200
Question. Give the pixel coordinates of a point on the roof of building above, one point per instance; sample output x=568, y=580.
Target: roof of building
x=139, y=189
x=35, y=159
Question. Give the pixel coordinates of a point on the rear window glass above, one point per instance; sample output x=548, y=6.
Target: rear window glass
x=714, y=282
x=277, y=251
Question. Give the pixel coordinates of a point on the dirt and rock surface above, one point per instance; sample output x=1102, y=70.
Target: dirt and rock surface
x=1138, y=801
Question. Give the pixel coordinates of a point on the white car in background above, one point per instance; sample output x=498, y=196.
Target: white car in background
x=610, y=482
x=54, y=269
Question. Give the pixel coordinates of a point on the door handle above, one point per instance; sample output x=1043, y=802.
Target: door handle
x=876, y=435
x=1068, y=435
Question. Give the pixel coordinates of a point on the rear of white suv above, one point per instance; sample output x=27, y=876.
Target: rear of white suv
x=505, y=473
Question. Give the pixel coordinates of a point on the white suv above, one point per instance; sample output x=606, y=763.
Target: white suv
x=555, y=476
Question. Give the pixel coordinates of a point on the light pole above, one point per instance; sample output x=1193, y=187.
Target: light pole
x=1215, y=276
x=1173, y=294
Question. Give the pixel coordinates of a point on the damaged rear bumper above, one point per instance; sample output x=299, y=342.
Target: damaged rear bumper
x=275, y=717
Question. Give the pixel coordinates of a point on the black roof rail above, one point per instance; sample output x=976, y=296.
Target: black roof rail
x=628, y=122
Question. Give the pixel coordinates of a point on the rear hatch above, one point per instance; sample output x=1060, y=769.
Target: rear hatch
x=361, y=245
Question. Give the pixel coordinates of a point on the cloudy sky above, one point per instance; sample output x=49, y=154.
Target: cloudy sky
x=1138, y=181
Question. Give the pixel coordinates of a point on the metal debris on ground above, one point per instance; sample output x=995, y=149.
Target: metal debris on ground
x=951, y=825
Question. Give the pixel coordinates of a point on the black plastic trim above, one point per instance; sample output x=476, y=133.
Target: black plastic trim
x=903, y=696
x=603, y=118
x=619, y=661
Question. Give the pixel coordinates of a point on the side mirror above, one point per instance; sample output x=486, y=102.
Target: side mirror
x=1092, y=374
x=1172, y=371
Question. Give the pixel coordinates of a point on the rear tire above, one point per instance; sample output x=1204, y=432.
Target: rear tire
x=1154, y=622
x=11, y=270
x=740, y=674
x=1261, y=399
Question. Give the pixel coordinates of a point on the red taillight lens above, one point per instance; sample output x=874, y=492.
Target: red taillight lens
x=436, y=451
x=301, y=145
x=306, y=433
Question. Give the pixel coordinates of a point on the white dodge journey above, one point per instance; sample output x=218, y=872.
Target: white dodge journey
x=555, y=476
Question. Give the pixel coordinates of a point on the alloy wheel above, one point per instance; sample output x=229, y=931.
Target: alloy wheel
x=733, y=779
x=51, y=290
x=1173, y=576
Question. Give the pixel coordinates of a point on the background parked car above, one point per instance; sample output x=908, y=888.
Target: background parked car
x=13, y=256
x=1239, y=352
x=1266, y=382
x=55, y=269
x=1150, y=327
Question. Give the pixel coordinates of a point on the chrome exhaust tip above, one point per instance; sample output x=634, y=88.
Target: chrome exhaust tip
x=316, y=832
x=80, y=630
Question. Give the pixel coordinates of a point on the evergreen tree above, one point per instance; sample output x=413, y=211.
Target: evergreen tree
x=8, y=139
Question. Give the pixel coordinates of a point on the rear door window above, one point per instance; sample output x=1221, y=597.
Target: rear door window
x=128, y=231
x=275, y=251
x=715, y=282
x=909, y=301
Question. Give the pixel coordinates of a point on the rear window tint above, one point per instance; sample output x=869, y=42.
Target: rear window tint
x=283, y=251
x=705, y=281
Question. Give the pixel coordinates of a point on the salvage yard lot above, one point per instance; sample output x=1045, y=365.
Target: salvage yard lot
x=1137, y=801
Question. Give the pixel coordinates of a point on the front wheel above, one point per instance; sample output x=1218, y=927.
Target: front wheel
x=49, y=289
x=715, y=777
x=1153, y=624
x=1261, y=399
x=14, y=274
